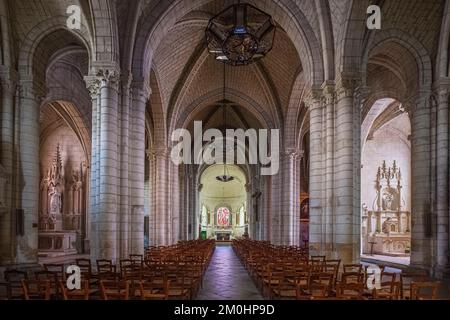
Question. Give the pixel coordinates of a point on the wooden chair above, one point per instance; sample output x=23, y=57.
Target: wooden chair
x=350, y=291
x=82, y=294
x=154, y=289
x=53, y=278
x=56, y=268
x=114, y=290
x=36, y=289
x=86, y=269
x=406, y=278
x=425, y=290
x=106, y=270
x=319, y=286
x=283, y=288
x=352, y=277
x=389, y=288
x=13, y=280
x=356, y=268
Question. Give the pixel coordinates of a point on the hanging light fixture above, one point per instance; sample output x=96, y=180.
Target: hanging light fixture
x=240, y=34
x=226, y=177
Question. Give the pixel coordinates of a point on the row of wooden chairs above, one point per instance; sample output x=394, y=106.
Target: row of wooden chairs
x=169, y=278
x=289, y=273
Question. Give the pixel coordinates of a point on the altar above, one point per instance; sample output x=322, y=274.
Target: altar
x=386, y=229
x=223, y=235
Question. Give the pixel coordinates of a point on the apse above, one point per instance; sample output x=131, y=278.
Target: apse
x=223, y=204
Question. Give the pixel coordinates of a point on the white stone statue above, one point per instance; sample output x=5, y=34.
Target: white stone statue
x=55, y=201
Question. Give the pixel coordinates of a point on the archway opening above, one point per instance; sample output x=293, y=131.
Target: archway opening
x=386, y=183
x=223, y=205
x=64, y=181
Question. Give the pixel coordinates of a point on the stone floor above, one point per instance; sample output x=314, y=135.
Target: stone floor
x=227, y=279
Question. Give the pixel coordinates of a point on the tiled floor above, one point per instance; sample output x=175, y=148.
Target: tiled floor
x=227, y=279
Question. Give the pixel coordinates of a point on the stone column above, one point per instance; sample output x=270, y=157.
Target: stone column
x=421, y=182
x=360, y=96
x=329, y=99
x=93, y=85
x=316, y=172
x=152, y=182
x=442, y=176
x=107, y=222
x=174, y=202
x=141, y=93
x=290, y=223
x=28, y=161
x=8, y=82
x=344, y=171
x=161, y=196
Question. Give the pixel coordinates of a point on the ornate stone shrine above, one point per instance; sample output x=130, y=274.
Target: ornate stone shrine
x=60, y=211
x=386, y=229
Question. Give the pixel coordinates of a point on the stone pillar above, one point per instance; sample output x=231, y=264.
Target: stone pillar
x=161, y=196
x=152, y=183
x=105, y=221
x=442, y=183
x=290, y=222
x=421, y=183
x=141, y=93
x=344, y=171
x=8, y=82
x=360, y=96
x=93, y=86
x=174, y=203
x=316, y=172
x=28, y=161
x=329, y=98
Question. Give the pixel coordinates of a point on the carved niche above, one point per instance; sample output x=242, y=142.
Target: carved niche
x=51, y=196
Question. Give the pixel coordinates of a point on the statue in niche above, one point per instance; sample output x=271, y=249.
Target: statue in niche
x=389, y=201
x=386, y=228
x=55, y=201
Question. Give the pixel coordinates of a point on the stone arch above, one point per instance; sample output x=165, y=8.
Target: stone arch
x=349, y=53
x=409, y=43
x=38, y=35
x=71, y=115
x=232, y=95
x=294, y=109
x=162, y=18
x=106, y=38
x=157, y=113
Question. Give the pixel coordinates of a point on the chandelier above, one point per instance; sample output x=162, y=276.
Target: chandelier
x=240, y=34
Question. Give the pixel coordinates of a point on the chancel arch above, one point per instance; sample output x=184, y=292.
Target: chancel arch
x=223, y=203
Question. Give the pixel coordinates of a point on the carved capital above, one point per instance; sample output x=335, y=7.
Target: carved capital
x=313, y=98
x=292, y=153
x=161, y=152
x=346, y=86
x=329, y=92
x=93, y=85
x=441, y=90
x=9, y=79
x=109, y=78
